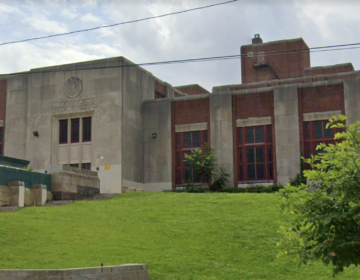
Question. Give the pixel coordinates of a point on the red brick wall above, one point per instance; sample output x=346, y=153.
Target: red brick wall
x=322, y=98
x=160, y=88
x=191, y=111
x=192, y=89
x=286, y=65
x=2, y=99
x=253, y=105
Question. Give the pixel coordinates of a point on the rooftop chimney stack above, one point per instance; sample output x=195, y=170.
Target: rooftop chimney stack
x=257, y=39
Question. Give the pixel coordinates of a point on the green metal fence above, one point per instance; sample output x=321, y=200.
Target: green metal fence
x=9, y=174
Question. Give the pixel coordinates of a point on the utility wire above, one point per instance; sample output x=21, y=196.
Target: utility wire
x=203, y=59
x=117, y=24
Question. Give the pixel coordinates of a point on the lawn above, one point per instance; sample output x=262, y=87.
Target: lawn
x=179, y=236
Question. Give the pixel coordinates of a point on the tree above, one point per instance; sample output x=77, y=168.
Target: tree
x=326, y=220
x=203, y=163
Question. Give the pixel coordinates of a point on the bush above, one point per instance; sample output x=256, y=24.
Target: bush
x=255, y=189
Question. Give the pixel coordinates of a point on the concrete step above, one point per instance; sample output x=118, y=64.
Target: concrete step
x=7, y=209
x=104, y=196
x=58, y=202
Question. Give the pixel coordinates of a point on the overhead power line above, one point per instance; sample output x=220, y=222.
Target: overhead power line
x=205, y=59
x=117, y=24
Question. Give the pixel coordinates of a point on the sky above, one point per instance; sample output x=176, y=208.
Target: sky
x=215, y=31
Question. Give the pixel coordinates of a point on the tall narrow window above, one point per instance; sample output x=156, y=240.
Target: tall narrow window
x=1, y=140
x=87, y=129
x=63, y=131
x=75, y=128
x=255, y=158
x=185, y=143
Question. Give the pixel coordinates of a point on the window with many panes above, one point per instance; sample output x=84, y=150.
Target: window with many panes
x=76, y=127
x=315, y=132
x=1, y=140
x=185, y=143
x=255, y=153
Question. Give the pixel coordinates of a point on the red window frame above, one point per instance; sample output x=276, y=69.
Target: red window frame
x=315, y=132
x=255, y=153
x=86, y=129
x=185, y=143
x=1, y=140
x=63, y=131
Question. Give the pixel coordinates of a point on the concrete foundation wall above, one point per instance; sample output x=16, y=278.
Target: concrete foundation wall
x=4, y=196
x=128, y=271
x=221, y=132
x=158, y=150
x=287, y=138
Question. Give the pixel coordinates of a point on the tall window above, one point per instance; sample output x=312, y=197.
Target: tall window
x=315, y=132
x=63, y=131
x=1, y=140
x=76, y=127
x=185, y=143
x=255, y=153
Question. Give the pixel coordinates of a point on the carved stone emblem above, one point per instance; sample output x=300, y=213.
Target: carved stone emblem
x=73, y=87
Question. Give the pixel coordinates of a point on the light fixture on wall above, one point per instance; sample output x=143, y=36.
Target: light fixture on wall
x=154, y=135
x=36, y=133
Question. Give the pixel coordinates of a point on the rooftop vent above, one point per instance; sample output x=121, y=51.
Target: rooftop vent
x=257, y=39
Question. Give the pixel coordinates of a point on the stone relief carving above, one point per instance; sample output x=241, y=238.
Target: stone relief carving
x=73, y=87
x=73, y=106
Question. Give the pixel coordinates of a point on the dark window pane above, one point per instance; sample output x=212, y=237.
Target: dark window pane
x=63, y=137
x=178, y=159
x=206, y=136
x=178, y=140
x=260, y=171
x=178, y=176
x=260, y=157
x=1, y=150
x=241, y=173
x=187, y=140
x=185, y=161
x=271, y=171
x=196, y=139
x=250, y=135
x=259, y=134
x=328, y=132
x=188, y=175
x=251, y=171
x=75, y=125
x=196, y=178
x=269, y=133
x=250, y=155
x=269, y=154
x=86, y=166
x=86, y=129
x=74, y=165
x=318, y=129
x=240, y=135
x=307, y=130
x=241, y=156
x=1, y=134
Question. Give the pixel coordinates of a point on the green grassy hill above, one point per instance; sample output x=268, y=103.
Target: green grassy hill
x=179, y=236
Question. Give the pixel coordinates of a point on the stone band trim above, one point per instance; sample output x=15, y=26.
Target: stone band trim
x=253, y=122
x=126, y=271
x=317, y=116
x=191, y=127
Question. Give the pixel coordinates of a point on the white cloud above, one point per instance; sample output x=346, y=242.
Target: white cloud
x=69, y=13
x=43, y=24
x=90, y=18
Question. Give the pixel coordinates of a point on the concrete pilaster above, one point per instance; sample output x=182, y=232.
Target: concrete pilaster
x=351, y=100
x=221, y=132
x=157, y=145
x=287, y=133
x=17, y=193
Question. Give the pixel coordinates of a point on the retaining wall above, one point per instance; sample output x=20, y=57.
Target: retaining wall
x=118, y=272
